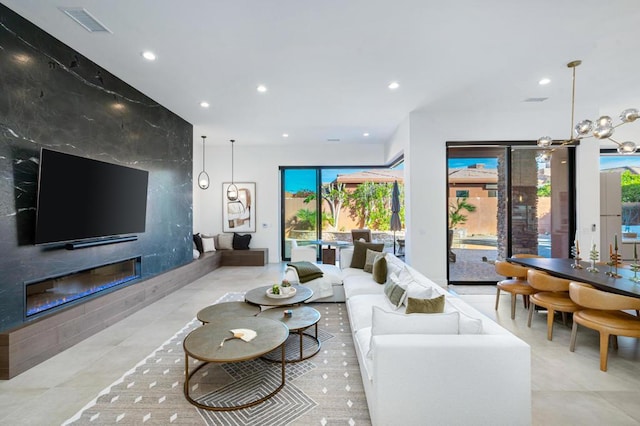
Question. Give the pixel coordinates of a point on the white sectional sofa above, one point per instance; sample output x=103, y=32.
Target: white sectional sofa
x=454, y=368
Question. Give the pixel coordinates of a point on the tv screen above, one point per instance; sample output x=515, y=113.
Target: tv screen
x=80, y=198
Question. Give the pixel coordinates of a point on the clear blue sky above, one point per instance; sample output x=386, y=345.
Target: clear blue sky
x=459, y=163
x=612, y=161
x=299, y=179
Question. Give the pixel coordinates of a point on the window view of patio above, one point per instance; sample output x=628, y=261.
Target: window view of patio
x=347, y=199
x=500, y=203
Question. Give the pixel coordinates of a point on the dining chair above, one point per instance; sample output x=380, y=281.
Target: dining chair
x=553, y=294
x=361, y=234
x=515, y=283
x=603, y=311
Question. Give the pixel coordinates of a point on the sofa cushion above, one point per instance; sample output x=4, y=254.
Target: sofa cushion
x=359, y=308
x=360, y=252
x=361, y=284
x=225, y=242
x=384, y=322
x=362, y=341
x=395, y=292
x=469, y=325
x=425, y=306
x=379, y=270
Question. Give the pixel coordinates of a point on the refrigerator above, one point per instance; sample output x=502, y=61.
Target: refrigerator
x=611, y=216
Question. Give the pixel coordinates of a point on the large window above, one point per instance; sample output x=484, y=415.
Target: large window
x=325, y=204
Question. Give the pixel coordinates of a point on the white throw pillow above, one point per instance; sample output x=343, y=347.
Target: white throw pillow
x=225, y=241
x=405, y=278
x=416, y=291
x=469, y=325
x=384, y=322
x=208, y=244
x=196, y=253
x=371, y=258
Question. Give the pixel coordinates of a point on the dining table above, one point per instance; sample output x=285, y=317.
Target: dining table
x=565, y=268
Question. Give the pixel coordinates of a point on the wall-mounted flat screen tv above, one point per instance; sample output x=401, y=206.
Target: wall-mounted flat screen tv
x=80, y=198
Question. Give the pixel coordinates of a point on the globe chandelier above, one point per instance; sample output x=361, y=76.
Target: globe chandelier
x=602, y=128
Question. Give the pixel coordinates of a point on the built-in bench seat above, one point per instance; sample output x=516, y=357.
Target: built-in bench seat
x=251, y=257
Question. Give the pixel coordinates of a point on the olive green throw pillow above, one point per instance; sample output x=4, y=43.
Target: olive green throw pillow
x=394, y=293
x=379, y=271
x=360, y=253
x=425, y=306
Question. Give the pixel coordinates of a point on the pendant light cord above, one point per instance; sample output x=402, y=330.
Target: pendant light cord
x=232, y=160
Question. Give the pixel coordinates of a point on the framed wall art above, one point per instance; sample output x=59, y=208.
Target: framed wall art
x=239, y=207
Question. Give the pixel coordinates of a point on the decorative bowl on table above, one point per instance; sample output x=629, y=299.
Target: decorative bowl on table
x=283, y=292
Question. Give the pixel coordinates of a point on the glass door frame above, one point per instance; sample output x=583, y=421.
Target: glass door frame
x=508, y=146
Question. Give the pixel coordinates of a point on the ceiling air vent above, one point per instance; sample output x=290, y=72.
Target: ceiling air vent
x=333, y=140
x=535, y=99
x=85, y=19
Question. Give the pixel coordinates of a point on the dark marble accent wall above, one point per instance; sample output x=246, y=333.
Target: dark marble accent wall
x=53, y=97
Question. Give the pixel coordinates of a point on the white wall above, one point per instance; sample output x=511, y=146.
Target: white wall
x=425, y=174
x=254, y=163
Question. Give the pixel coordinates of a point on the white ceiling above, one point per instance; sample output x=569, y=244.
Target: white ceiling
x=327, y=63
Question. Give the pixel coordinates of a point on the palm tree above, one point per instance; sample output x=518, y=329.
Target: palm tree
x=457, y=217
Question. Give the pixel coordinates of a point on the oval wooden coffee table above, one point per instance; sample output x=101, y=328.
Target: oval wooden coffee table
x=302, y=318
x=203, y=344
x=236, y=309
x=258, y=296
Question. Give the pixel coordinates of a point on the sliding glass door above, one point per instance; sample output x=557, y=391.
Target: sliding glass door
x=299, y=207
x=504, y=200
x=321, y=205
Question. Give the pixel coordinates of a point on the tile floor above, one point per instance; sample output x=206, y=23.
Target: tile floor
x=567, y=388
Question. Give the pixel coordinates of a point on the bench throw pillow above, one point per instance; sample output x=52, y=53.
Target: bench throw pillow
x=208, y=243
x=425, y=306
x=225, y=241
x=198, y=240
x=360, y=253
x=241, y=242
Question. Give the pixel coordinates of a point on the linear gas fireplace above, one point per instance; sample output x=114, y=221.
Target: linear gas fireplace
x=55, y=292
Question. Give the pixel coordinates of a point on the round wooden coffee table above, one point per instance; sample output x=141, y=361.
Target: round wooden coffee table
x=203, y=344
x=258, y=296
x=236, y=309
x=302, y=318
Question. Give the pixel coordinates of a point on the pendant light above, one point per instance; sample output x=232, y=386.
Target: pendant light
x=203, y=177
x=232, y=189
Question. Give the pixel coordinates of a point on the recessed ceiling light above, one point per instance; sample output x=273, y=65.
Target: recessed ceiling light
x=148, y=55
x=285, y=135
x=394, y=85
x=544, y=81
x=262, y=88
x=204, y=104
x=365, y=134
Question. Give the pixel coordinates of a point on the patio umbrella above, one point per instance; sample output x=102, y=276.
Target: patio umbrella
x=395, y=224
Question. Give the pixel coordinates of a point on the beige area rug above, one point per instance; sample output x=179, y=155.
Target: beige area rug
x=325, y=389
